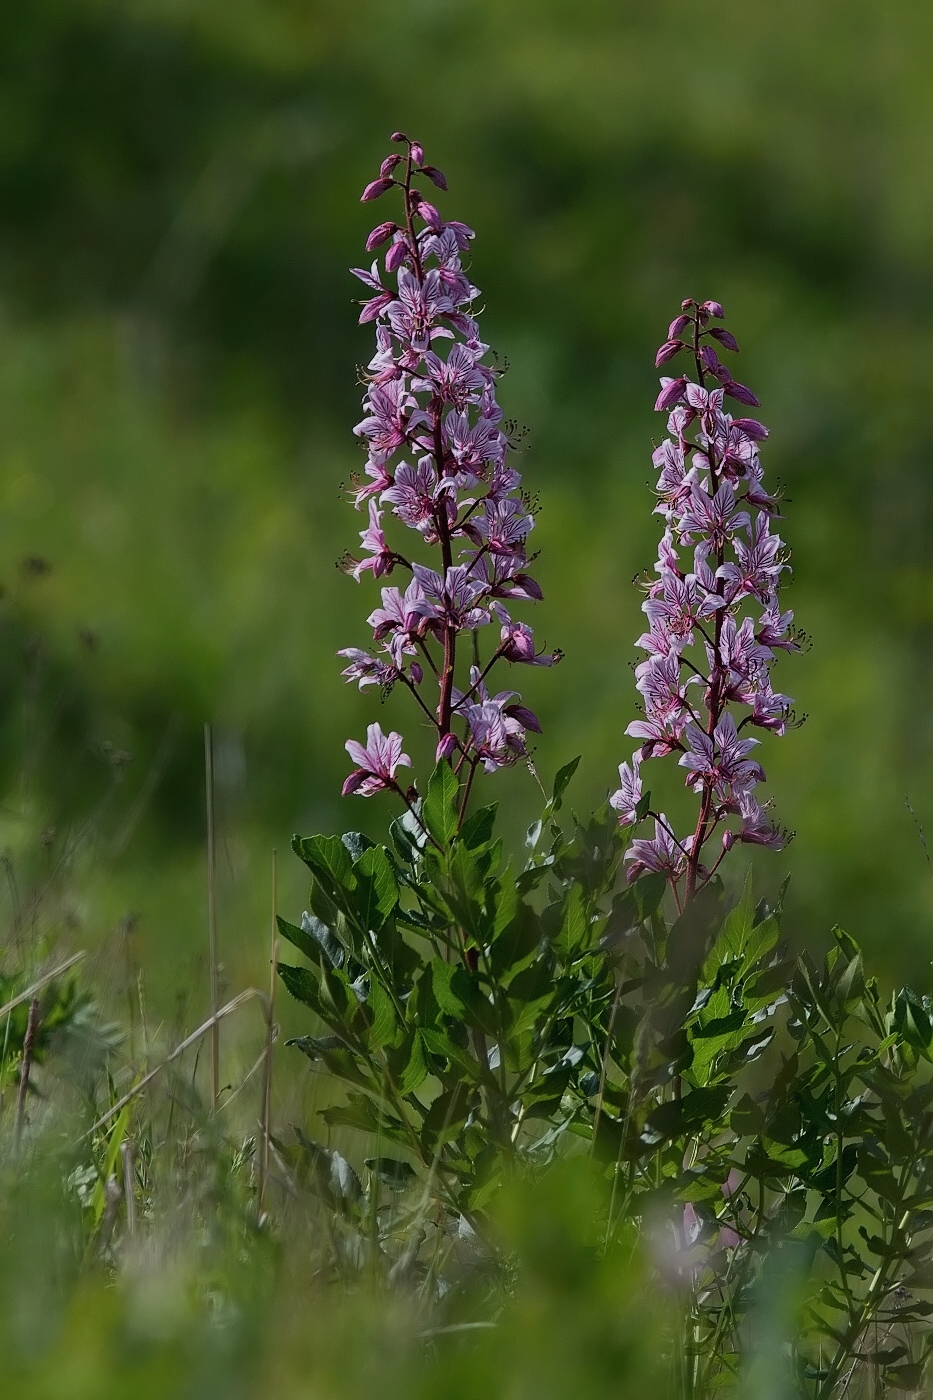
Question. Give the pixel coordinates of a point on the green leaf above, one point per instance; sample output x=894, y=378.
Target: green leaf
x=397, y=1175
x=342, y=1063
x=441, y=976
x=574, y=927
x=908, y=1377
x=326, y=939
x=467, y=890
x=649, y=891
x=767, y=987
x=299, y=939
x=356, y=843
x=460, y=997
x=333, y=1177
x=692, y=933
x=439, y=1043
x=377, y=891
x=703, y=1108
x=447, y=1114
x=530, y=879
x=478, y=827
x=407, y=1065
x=440, y=810
x=360, y=1112
x=385, y=1029
x=849, y=974
x=327, y=858
x=314, y=1045
x=517, y=945
x=405, y=838
x=733, y=936
x=302, y=985
x=747, y=1118
x=561, y=782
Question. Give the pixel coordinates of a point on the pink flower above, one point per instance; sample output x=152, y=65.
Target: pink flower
x=626, y=799
x=377, y=762
x=374, y=543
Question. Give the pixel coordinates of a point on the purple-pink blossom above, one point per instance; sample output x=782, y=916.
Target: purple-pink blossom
x=376, y=762
x=437, y=465
x=715, y=622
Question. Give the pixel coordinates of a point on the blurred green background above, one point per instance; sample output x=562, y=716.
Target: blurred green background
x=179, y=184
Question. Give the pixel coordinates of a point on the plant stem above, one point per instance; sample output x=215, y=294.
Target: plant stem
x=32, y=1028
x=212, y=912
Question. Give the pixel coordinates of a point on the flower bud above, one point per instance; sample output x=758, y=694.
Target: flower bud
x=398, y=136
x=679, y=323
x=526, y=718
x=725, y=338
x=712, y=362
x=436, y=176
x=672, y=391
x=375, y=189
x=417, y=153
x=388, y=165
x=686, y=305
x=713, y=308
x=416, y=673
x=751, y=428
x=396, y=255
x=379, y=235
x=429, y=214
x=446, y=746
x=742, y=394
x=667, y=352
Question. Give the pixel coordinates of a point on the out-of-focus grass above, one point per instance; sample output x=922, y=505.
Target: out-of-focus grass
x=204, y=1305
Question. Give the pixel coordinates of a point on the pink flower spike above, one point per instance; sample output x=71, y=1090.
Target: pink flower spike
x=436, y=464
x=715, y=621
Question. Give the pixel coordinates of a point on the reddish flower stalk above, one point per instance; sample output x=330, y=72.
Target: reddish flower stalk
x=436, y=455
x=715, y=623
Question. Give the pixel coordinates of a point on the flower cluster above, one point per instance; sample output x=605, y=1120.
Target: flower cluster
x=437, y=461
x=714, y=620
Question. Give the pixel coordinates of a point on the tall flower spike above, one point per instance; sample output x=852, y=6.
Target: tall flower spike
x=714, y=620
x=436, y=461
